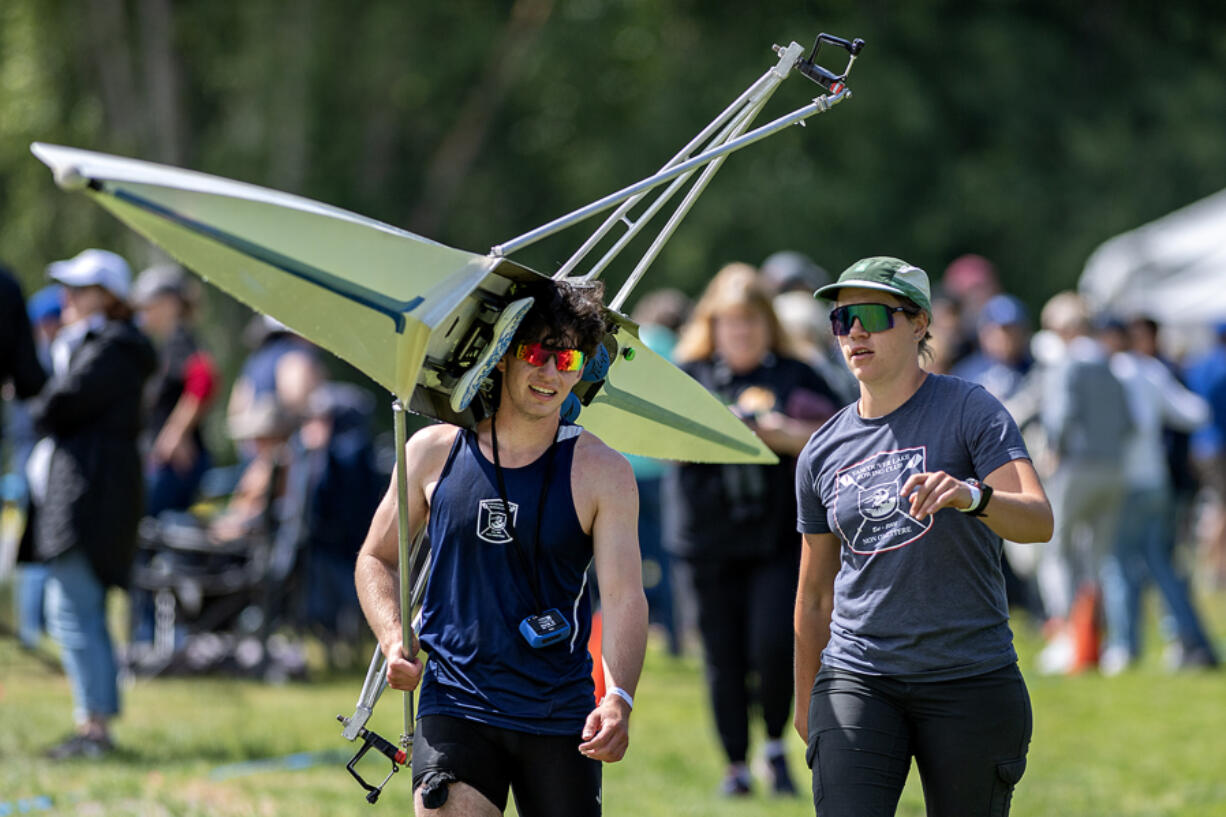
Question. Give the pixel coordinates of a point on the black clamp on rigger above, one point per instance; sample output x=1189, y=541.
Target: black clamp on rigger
x=370, y=740
x=823, y=76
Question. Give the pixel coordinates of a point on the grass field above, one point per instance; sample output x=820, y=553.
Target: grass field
x=1145, y=743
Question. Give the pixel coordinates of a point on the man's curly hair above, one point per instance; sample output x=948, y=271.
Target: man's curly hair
x=565, y=315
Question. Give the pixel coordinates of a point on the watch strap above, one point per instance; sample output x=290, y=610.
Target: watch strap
x=981, y=492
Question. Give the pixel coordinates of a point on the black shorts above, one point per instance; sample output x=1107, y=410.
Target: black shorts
x=545, y=772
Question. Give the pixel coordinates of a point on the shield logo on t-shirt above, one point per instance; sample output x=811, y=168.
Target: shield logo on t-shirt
x=879, y=501
x=869, y=512
x=492, y=523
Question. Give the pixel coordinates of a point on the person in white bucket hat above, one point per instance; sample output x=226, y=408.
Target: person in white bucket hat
x=101, y=268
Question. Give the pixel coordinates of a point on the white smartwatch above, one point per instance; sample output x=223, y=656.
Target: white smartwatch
x=976, y=496
x=981, y=493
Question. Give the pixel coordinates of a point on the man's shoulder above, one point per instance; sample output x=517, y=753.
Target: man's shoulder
x=591, y=448
x=431, y=445
x=435, y=433
x=598, y=460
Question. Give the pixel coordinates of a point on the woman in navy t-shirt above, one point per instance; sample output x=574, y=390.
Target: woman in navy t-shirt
x=903, y=646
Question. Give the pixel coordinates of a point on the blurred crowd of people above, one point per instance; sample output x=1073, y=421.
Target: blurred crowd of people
x=109, y=389
x=107, y=392
x=1127, y=440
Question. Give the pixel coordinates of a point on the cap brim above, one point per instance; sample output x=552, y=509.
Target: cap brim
x=830, y=292
x=76, y=272
x=70, y=273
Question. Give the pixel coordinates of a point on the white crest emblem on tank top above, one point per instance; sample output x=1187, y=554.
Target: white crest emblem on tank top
x=492, y=522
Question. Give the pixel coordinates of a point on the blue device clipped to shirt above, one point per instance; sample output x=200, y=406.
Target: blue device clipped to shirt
x=545, y=628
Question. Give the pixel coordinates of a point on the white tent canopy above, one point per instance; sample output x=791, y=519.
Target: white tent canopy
x=1172, y=270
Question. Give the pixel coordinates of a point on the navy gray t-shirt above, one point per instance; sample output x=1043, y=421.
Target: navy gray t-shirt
x=917, y=600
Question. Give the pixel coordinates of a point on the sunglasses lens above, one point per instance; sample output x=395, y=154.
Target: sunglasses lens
x=872, y=317
x=537, y=354
x=568, y=360
x=532, y=353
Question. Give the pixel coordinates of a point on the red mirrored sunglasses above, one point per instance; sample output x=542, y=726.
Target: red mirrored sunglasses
x=538, y=354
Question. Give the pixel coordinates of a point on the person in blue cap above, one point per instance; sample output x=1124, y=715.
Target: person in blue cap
x=903, y=647
x=1003, y=358
x=45, y=308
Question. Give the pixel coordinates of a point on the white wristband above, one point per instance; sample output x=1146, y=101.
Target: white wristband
x=623, y=694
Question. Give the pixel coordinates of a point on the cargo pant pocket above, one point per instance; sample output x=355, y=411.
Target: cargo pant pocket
x=811, y=759
x=1008, y=773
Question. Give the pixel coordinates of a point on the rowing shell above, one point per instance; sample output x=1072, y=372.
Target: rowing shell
x=407, y=311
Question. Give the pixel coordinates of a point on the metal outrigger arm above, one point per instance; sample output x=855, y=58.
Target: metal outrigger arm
x=727, y=133
x=724, y=135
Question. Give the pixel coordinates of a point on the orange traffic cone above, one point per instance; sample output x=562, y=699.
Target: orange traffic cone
x=593, y=647
x=1085, y=628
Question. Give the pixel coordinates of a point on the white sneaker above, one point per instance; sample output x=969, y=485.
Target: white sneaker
x=504, y=329
x=1114, y=660
x=1057, y=657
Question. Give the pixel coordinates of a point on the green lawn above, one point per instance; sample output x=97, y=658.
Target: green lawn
x=1145, y=743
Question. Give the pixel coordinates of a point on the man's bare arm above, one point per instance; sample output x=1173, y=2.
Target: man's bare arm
x=376, y=573
x=619, y=573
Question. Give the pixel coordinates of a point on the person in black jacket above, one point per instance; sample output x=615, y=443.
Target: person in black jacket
x=18, y=360
x=732, y=526
x=91, y=482
x=21, y=369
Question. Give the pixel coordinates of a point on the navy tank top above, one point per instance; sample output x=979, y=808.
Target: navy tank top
x=480, y=667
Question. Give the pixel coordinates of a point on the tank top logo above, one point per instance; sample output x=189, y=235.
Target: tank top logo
x=492, y=523
x=871, y=515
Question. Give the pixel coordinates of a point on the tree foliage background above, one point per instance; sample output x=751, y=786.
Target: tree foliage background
x=1025, y=130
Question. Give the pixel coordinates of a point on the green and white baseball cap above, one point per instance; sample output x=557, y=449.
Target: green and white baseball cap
x=886, y=274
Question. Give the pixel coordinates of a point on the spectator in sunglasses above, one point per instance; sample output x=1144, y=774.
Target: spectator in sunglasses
x=903, y=647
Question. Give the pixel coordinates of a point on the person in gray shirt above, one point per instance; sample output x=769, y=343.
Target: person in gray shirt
x=1086, y=417
x=903, y=646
